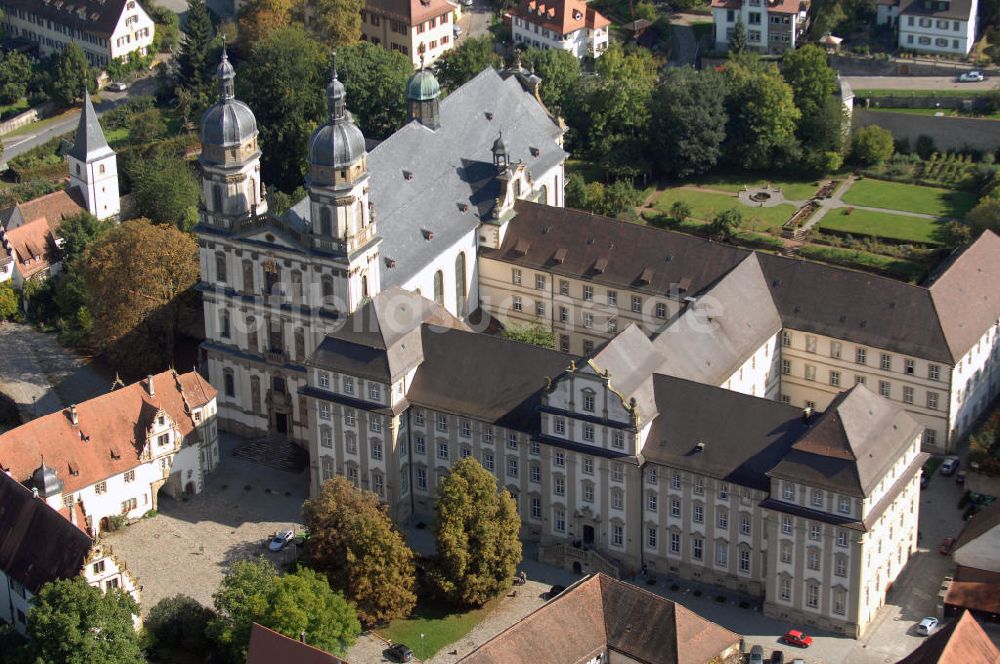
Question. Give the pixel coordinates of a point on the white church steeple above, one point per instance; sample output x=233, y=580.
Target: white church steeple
x=93, y=166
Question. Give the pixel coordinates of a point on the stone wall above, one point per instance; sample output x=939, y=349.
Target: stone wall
x=31, y=115
x=856, y=65
x=948, y=133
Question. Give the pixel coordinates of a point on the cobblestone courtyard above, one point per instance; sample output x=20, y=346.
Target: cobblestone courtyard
x=187, y=547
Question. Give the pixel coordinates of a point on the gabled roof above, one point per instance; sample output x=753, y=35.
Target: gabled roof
x=89, y=143
x=37, y=544
x=600, y=614
x=561, y=16
x=110, y=434
x=411, y=12
x=630, y=359
x=93, y=16
x=953, y=9
x=382, y=339
x=270, y=647
x=432, y=188
x=852, y=444
x=960, y=642
x=742, y=437
x=965, y=307
x=979, y=541
x=727, y=324
x=32, y=246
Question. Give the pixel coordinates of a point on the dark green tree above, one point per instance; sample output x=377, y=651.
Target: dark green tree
x=375, y=81
x=146, y=127
x=465, y=61
x=78, y=231
x=244, y=597
x=738, y=40
x=15, y=73
x=679, y=212
x=75, y=623
x=689, y=125
x=284, y=81
x=194, y=65
x=531, y=334
x=8, y=301
x=813, y=81
x=477, y=535
x=352, y=541
x=303, y=603
x=725, y=224
x=871, y=145
x=762, y=114
x=559, y=71
x=68, y=73
x=166, y=190
x=179, y=621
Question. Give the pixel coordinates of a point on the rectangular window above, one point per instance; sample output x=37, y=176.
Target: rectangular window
x=130, y=476
x=442, y=450
x=442, y=423
x=348, y=385
x=324, y=379
x=420, y=444
x=816, y=498
x=661, y=310
x=699, y=486
x=723, y=520
x=588, y=465
x=651, y=537
x=488, y=435
x=907, y=394
x=909, y=367
x=563, y=287
x=934, y=371
x=511, y=467
x=675, y=481
x=488, y=460
x=721, y=554
x=612, y=297
x=697, y=545
x=786, y=367
x=745, y=560
x=810, y=343
x=560, y=521
x=785, y=588
x=636, y=304
x=617, y=472
x=539, y=308
x=746, y=526
x=651, y=502
x=786, y=525
x=324, y=411
x=560, y=426
x=540, y=282
x=698, y=513
x=723, y=491
x=884, y=388
x=788, y=491
x=559, y=485
x=588, y=320
x=326, y=437
x=559, y=458
x=374, y=392
x=812, y=596
x=511, y=440
x=617, y=535
x=675, y=543
x=517, y=304
x=375, y=424
x=536, y=507
x=618, y=440
x=844, y=505
x=842, y=538
x=588, y=293
x=885, y=362
x=100, y=488
x=786, y=552
x=651, y=478
x=588, y=403
x=613, y=325
x=815, y=531
x=835, y=349
x=588, y=432
x=563, y=315
x=515, y=276
x=835, y=378
x=97, y=568
x=810, y=372
x=786, y=338
x=418, y=416
x=861, y=356
x=377, y=450
x=536, y=474
x=129, y=505
x=465, y=429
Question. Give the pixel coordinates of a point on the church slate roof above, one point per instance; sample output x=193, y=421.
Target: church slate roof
x=89, y=143
x=421, y=178
x=37, y=544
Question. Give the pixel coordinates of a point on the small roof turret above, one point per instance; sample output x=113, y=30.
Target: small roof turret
x=229, y=122
x=46, y=481
x=339, y=143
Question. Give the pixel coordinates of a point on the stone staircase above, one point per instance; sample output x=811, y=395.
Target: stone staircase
x=274, y=452
x=568, y=557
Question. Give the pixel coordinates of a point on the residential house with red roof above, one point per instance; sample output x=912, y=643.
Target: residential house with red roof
x=110, y=456
x=106, y=30
x=39, y=544
x=570, y=25
x=772, y=26
x=422, y=30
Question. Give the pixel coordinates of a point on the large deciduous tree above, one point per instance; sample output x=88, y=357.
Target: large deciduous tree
x=78, y=231
x=353, y=542
x=811, y=78
x=259, y=19
x=166, y=190
x=243, y=598
x=304, y=604
x=689, y=125
x=15, y=73
x=477, y=535
x=75, y=623
x=337, y=22
x=284, y=81
x=138, y=276
x=375, y=82
x=559, y=71
x=462, y=63
x=68, y=73
x=762, y=114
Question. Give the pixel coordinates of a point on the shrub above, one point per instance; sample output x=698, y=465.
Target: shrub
x=871, y=145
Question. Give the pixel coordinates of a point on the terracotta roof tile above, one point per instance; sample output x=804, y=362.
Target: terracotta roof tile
x=561, y=16
x=109, y=425
x=32, y=246
x=412, y=12
x=960, y=642
x=54, y=207
x=270, y=647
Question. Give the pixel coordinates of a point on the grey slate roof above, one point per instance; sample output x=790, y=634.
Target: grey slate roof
x=37, y=544
x=955, y=9
x=449, y=167
x=89, y=143
x=743, y=436
x=99, y=17
x=630, y=359
x=722, y=329
x=852, y=445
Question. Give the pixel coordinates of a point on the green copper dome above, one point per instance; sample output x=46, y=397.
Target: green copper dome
x=422, y=86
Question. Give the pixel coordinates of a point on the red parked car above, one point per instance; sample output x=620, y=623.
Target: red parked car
x=794, y=637
x=946, y=545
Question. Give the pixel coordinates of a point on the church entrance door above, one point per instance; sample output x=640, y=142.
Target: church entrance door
x=588, y=535
x=281, y=423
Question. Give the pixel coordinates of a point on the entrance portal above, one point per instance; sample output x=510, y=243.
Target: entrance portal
x=281, y=423
x=588, y=535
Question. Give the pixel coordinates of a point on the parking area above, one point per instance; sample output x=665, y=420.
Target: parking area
x=188, y=546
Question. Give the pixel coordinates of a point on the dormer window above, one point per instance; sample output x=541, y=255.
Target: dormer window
x=588, y=402
x=577, y=15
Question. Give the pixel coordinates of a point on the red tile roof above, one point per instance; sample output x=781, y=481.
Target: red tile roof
x=960, y=642
x=775, y=6
x=411, y=12
x=53, y=207
x=111, y=431
x=270, y=647
x=974, y=595
x=561, y=16
x=32, y=246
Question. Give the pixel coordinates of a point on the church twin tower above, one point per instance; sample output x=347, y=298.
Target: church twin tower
x=341, y=218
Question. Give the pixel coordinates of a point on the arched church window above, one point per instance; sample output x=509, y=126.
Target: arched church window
x=224, y=324
x=255, y=394
x=439, y=287
x=254, y=192
x=229, y=383
x=327, y=288
x=300, y=344
x=364, y=285
x=543, y=196
x=252, y=344
x=216, y=198
x=325, y=222
x=460, y=291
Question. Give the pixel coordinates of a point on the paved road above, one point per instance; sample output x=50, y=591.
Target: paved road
x=22, y=141
x=40, y=375
x=915, y=83
x=475, y=20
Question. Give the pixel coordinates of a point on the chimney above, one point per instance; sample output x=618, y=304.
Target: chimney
x=149, y=384
x=74, y=417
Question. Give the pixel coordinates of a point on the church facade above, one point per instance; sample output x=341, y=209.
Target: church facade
x=411, y=213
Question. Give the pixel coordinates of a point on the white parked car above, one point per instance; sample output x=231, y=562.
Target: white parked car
x=457, y=31
x=466, y=3
x=949, y=466
x=927, y=626
x=281, y=540
x=972, y=77
x=118, y=86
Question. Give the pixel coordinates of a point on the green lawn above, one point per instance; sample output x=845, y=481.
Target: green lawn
x=589, y=171
x=796, y=190
x=705, y=205
x=882, y=224
x=439, y=628
x=910, y=198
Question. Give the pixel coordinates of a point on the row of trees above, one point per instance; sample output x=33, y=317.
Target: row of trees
x=357, y=569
